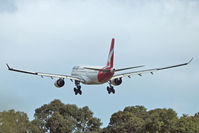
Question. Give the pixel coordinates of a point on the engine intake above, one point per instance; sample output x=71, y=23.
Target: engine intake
x=59, y=83
x=116, y=81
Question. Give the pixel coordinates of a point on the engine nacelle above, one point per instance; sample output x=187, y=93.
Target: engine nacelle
x=59, y=83
x=116, y=81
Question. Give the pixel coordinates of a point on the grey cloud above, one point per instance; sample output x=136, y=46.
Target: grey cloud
x=53, y=24
x=8, y=6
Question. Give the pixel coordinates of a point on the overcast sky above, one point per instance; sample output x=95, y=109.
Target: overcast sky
x=54, y=35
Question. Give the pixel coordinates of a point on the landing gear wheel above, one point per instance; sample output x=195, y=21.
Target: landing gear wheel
x=80, y=92
x=110, y=90
x=78, y=87
x=76, y=91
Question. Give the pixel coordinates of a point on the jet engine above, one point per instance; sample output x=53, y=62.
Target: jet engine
x=59, y=83
x=116, y=81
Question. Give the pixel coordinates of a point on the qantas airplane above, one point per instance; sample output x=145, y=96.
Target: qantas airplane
x=96, y=75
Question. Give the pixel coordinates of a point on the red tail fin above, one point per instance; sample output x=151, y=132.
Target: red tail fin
x=111, y=55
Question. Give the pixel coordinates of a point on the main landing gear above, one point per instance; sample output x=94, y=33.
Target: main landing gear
x=77, y=89
x=110, y=89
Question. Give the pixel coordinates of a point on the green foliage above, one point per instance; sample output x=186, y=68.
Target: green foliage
x=137, y=119
x=188, y=124
x=138, y=111
x=124, y=122
x=161, y=121
x=127, y=121
x=57, y=117
x=16, y=122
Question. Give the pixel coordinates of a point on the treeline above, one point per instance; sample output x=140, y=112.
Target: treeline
x=57, y=117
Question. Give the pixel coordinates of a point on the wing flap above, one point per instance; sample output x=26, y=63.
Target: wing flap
x=129, y=74
x=45, y=74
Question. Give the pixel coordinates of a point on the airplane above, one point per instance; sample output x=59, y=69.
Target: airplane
x=97, y=75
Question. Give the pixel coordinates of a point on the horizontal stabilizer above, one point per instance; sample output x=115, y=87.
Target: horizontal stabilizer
x=97, y=69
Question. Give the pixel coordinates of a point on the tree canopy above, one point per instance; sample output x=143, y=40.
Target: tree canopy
x=137, y=119
x=57, y=117
x=16, y=122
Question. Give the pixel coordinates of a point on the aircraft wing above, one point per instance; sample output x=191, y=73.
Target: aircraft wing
x=129, y=74
x=45, y=74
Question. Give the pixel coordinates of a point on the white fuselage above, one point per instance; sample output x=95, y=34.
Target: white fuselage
x=88, y=76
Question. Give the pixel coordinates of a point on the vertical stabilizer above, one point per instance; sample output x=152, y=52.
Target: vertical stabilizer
x=111, y=55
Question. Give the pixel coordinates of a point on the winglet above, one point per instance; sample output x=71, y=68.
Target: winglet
x=190, y=60
x=8, y=67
